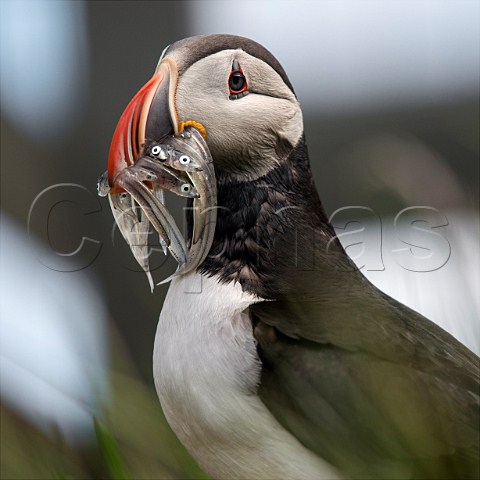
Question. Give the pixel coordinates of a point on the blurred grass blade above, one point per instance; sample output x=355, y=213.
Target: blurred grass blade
x=109, y=451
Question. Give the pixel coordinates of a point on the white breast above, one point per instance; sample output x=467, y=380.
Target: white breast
x=206, y=371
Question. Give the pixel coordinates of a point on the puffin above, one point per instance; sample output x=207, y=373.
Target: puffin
x=274, y=356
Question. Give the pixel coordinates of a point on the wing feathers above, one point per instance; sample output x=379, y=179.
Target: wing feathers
x=398, y=399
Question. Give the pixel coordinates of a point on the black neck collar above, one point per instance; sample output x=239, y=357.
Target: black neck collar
x=270, y=228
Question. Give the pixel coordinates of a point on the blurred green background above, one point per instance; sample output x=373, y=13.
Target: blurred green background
x=390, y=97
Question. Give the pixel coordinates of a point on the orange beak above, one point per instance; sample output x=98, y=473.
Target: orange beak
x=150, y=115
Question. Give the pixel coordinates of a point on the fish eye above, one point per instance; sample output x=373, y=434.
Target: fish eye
x=185, y=188
x=156, y=149
x=184, y=160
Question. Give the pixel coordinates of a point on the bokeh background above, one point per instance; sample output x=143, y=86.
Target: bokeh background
x=389, y=91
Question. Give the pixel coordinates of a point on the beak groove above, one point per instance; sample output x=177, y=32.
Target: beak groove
x=135, y=180
x=151, y=114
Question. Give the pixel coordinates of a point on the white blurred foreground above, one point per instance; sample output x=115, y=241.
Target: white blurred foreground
x=53, y=349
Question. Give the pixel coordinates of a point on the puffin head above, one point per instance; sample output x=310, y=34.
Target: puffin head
x=232, y=89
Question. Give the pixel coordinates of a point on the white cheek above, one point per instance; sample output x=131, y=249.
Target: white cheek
x=242, y=123
x=203, y=89
x=247, y=128
x=201, y=104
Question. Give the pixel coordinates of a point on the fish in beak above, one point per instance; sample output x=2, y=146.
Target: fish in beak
x=153, y=152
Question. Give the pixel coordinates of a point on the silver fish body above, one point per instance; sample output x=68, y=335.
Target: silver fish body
x=181, y=160
x=182, y=165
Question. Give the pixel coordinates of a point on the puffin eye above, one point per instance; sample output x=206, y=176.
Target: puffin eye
x=237, y=83
x=184, y=160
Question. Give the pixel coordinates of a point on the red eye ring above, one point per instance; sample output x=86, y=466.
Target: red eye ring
x=237, y=83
